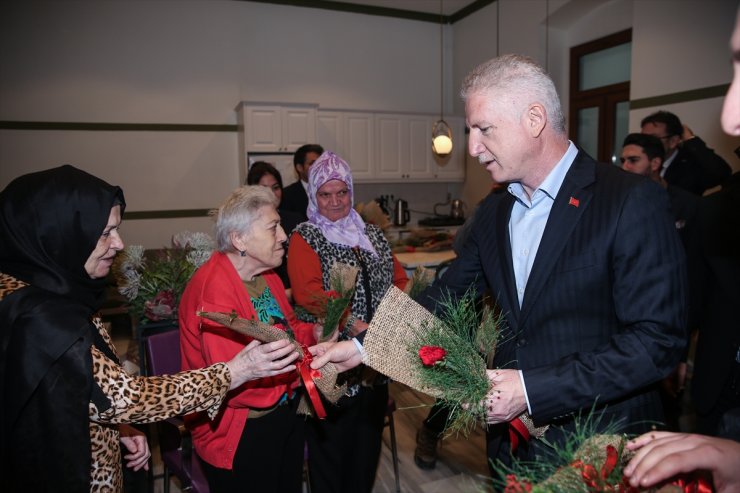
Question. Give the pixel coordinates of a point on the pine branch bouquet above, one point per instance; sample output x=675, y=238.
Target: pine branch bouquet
x=153, y=283
x=589, y=461
x=332, y=308
x=442, y=357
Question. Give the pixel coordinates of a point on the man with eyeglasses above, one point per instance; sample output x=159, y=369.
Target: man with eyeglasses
x=688, y=162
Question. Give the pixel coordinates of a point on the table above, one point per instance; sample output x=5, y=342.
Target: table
x=431, y=260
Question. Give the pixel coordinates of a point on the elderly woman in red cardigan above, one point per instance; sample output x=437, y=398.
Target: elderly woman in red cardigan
x=256, y=442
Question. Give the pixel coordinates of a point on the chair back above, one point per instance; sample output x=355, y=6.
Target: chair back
x=163, y=353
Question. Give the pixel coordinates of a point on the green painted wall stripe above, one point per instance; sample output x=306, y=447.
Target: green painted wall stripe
x=382, y=11
x=116, y=127
x=166, y=214
x=680, y=97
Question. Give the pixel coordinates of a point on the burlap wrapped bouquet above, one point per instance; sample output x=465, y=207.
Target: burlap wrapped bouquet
x=323, y=380
x=444, y=358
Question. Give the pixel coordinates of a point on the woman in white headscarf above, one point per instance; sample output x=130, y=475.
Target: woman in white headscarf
x=344, y=448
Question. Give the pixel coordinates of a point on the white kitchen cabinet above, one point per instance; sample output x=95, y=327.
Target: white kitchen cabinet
x=276, y=128
x=404, y=149
x=350, y=135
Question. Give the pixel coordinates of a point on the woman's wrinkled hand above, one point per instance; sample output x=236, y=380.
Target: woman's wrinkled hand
x=135, y=442
x=259, y=360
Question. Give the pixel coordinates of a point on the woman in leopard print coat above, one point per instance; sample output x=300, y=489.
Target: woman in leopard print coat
x=344, y=448
x=65, y=398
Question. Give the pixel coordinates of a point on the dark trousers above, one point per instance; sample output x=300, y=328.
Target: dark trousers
x=344, y=448
x=269, y=458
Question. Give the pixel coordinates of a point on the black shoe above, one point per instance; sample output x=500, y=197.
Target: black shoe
x=425, y=455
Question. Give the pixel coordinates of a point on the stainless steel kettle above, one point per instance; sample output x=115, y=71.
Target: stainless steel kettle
x=401, y=215
x=458, y=209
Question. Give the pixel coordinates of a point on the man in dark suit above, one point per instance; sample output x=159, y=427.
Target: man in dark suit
x=688, y=162
x=716, y=384
x=582, y=258
x=642, y=154
x=295, y=198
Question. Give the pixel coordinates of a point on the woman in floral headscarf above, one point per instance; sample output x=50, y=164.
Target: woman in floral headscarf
x=345, y=447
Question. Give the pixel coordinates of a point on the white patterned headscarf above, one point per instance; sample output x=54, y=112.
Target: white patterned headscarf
x=349, y=230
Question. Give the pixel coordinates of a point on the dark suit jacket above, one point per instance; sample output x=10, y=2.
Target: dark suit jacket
x=719, y=292
x=295, y=200
x=603, y=314
x=697, y=167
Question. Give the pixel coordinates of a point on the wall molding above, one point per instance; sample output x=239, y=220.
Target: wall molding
x=117, y=127
x=383, y=11
x=166, y=214
x=680, y=97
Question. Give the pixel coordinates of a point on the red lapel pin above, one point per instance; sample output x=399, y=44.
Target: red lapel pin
x=574, y=202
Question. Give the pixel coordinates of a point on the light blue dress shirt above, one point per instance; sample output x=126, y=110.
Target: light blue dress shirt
x=527, y=224
x=529, y=218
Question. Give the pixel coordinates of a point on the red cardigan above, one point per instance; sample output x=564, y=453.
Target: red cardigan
x=217, y=287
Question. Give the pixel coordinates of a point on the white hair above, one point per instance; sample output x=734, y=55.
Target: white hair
x=521, y=78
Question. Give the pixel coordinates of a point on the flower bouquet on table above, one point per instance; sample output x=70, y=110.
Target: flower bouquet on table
x=153, y=283
x=316, y=382
x=443, y=357
x=332, y=308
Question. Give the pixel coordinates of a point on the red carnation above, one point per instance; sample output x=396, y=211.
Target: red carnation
x=431, y=355
x=515, y=485
x=333, y=295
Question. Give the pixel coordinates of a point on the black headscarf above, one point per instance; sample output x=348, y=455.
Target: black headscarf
x=50, y=223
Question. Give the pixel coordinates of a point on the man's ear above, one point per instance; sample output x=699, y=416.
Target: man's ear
x=655, y=164
x=536, y=119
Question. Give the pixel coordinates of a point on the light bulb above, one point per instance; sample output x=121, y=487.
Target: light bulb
x=442, y=145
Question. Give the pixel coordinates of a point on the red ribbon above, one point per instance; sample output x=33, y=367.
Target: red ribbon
x=597, y=481
x=517, y=428
x=693, y=484
x=307, y=375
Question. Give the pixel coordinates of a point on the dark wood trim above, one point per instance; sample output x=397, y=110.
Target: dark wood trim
x=382, y=11
x=116, y=127
x=166, y=214
x=681, y=97
x=604, y=98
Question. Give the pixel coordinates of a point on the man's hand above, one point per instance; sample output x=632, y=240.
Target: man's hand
x=344, y=355
x=661, y=455
x=506, y=399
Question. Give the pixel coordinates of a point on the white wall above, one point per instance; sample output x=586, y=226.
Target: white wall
x=192, y=61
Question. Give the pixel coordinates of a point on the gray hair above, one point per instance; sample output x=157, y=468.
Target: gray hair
x=521, y=78
x=238, y=212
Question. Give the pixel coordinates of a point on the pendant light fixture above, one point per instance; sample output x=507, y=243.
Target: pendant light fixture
x=441, y=133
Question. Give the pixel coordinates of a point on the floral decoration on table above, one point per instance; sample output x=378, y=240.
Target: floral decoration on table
x=153, y=282
x=588, y=462
x=332, y=308
x=424, y=240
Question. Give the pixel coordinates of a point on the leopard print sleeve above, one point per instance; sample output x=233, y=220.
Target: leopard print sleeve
x=137, y=399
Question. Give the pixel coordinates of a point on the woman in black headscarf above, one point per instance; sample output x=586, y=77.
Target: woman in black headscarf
x=65, y=398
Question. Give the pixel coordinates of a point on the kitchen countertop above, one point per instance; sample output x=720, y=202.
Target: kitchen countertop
x=411, y=261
